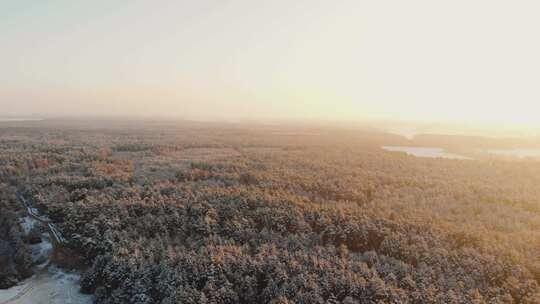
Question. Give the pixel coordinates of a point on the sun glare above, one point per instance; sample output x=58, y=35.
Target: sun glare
x=459, y=61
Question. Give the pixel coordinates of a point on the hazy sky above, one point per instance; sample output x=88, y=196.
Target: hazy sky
x=470, y=60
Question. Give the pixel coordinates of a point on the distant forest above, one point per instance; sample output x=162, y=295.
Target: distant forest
x=209, y=213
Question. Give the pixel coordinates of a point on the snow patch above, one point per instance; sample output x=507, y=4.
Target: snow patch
x=10, y=293
x=41, y=252
x=51, y=285
x=27, y=223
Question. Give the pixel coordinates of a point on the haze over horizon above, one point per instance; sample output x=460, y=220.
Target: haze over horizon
x=471, y=62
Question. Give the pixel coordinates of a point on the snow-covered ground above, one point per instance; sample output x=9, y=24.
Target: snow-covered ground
x=42, y=251
x=50, y=284
x=27, y=223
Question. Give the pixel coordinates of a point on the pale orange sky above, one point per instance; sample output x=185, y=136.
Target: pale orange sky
x=459, y=61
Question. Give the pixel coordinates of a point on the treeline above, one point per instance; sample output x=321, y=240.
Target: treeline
x=15, y=259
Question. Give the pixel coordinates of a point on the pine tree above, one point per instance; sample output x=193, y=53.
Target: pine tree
x=350, y=300
x=332, y=299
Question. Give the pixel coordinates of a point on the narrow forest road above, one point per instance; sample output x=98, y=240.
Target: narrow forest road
x=53, y=230
x=26, y=288
x=50, y=284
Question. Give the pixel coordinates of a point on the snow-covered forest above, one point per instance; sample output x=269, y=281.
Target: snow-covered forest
x=212, y=213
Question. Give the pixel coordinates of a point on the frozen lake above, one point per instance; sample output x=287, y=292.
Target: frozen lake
x=424, y=152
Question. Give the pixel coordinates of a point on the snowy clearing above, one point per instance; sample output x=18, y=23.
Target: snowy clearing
x=51, y=285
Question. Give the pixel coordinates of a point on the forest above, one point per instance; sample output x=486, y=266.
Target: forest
x=186, y=212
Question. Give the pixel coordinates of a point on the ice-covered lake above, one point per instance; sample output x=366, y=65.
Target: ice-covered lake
x=424, y=152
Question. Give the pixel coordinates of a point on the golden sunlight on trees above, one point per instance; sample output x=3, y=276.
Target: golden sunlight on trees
x=257, y=217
